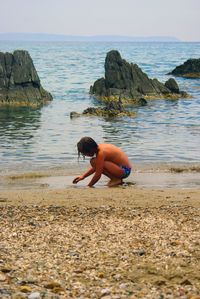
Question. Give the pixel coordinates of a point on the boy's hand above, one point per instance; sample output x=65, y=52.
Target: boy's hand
x=77, y=179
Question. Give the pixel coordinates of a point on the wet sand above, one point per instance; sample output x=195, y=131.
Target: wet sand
x=140, y=240
x=157, y=176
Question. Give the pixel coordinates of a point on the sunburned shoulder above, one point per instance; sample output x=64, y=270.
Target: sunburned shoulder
x=108, y=148
x=104, y=146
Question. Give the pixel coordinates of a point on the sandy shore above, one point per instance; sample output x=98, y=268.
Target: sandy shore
x=76, y=242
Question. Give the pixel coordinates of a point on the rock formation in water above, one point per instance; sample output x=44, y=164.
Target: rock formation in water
x=126, y=81
x=189, y=69
x=19, y=81
x=111, y=109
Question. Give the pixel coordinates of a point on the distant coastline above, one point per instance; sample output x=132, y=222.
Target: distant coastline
x=96, y=38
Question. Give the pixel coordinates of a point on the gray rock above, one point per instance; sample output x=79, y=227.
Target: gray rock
x=189, y=69
x=125, y=80
x=19, y=81
x=172, y=85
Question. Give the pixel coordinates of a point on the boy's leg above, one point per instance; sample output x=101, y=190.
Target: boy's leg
x=111, y=170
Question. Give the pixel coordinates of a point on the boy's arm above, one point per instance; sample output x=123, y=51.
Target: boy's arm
x=99, y=169
x=88, y=173
x=85, y=175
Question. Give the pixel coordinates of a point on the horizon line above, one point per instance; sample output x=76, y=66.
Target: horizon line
x=95, y=36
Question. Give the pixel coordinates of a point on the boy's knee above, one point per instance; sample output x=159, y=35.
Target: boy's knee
x=93, y=162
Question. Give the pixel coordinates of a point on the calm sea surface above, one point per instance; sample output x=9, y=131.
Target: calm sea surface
x=163, y=131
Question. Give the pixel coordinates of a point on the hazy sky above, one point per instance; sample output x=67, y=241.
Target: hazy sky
x=178, y=18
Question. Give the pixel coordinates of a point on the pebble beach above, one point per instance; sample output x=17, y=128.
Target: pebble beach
x=124, y=242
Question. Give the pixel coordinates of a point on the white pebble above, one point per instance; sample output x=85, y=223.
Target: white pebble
x=105, y=292
x=35, y=295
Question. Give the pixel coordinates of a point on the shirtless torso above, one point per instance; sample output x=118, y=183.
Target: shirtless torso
x=112, y=153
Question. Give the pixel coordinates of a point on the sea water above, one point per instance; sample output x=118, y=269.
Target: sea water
x=163, y=131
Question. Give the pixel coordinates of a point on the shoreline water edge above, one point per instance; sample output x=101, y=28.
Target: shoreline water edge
x=154, y=175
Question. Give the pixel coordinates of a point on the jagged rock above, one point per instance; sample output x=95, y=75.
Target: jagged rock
x=172, y=85
x=114, y=105
x=19, y=81
x=127, y=81
x=189, y=69
x=102, y=112
x=112, y=109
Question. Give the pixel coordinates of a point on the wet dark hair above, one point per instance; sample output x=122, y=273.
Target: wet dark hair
x=86, y=146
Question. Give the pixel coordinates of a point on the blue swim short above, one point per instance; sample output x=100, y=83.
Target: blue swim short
x=127, y=171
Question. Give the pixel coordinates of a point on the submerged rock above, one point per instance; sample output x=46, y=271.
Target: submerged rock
x=19, y=81
x=189, y=69
x=112, y=109
x=127, y=81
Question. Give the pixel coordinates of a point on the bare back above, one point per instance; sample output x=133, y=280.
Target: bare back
x=113, y=154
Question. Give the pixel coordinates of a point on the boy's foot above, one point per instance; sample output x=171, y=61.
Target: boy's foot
x=115, y=182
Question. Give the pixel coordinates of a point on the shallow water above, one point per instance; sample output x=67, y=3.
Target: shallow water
x=138, y=179
x=164, y=131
